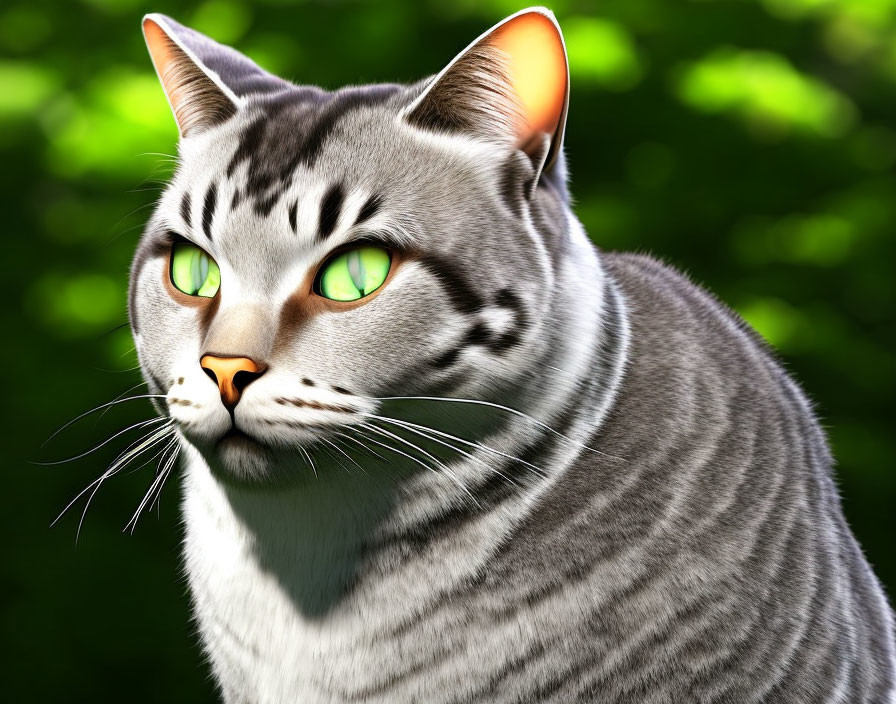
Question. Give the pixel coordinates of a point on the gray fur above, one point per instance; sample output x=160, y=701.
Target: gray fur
x=644, y=508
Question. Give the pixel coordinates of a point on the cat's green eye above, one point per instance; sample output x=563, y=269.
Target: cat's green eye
x=354, y=274
x=193, y=271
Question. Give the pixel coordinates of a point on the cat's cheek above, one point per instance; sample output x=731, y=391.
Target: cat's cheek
x=202, y=424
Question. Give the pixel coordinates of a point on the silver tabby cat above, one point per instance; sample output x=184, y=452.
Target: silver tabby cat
x=437, y=448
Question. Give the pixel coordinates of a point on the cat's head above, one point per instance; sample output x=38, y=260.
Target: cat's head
x=318, y=251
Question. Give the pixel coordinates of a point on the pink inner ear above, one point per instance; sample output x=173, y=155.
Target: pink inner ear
x=197, y=101
x=160, y=48
x=537, y=67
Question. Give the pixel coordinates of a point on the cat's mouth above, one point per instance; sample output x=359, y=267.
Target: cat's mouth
x=235, y=436
x=241, y=454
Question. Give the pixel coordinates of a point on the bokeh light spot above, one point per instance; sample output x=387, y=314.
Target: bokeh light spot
x=603, y=52
x=766, y=91
x=78, y=305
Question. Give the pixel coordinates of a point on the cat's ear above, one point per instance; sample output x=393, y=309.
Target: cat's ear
x=205, y=82
x=511, y=83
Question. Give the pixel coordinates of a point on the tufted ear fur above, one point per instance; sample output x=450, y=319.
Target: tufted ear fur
x=205, y=82
x=512, y=83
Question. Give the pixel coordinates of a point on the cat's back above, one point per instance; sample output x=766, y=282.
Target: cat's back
x=724, y=489
x=703, y=537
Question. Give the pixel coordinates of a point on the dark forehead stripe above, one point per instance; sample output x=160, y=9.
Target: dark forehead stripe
x=292, y=215
x=370, y=208
x=330, y=209
x=208, y=208
x=291, y=131
x=341, y=103
x=185, y=210
x=266, y=205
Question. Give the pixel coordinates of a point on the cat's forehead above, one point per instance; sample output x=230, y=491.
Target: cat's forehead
x=303, y=127
x=290, y=175
x=308, y=168
x=274, y=141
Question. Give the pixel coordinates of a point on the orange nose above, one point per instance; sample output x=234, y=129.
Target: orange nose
x=232, y=375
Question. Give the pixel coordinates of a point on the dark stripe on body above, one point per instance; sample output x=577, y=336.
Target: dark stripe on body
x=608, y=629
x=518, y=475
x=770, y=526
x=765, y=557
x=518, y=478
x=396, y=678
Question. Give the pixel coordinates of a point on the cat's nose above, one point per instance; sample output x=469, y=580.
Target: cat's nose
x=232, y=375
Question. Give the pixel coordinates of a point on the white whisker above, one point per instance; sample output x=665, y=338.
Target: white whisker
x=498, y=406
x=154, y=487
x=141, y=424
x=363, y=446
x=309, y=461
x=343, y=453
x=133, y=451
x=100, y=407
x=116, y=467
x=336, y=460
x=424, y=429
x=445, y=469
x=174, y=450
x=121, y=396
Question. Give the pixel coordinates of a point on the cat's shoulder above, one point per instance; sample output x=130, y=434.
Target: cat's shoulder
x=655, y=289
x=663, y=296
x=637, y=271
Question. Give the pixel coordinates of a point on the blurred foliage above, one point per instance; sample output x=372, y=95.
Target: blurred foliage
x=748, y=142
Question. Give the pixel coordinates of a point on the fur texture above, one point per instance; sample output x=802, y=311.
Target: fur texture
x=522, y=471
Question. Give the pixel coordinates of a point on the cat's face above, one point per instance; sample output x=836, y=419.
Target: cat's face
x=318, y=252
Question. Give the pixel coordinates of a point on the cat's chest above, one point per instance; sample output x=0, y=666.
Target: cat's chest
x=262, y=648
x=268, y=643
x=288, y=625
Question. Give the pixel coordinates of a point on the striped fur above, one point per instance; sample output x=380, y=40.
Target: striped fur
x=523, y=472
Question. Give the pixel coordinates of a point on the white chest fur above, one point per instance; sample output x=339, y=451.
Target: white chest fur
x=262, y=566
x=267, y=571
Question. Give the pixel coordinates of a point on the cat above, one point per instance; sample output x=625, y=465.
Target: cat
x=438, y=448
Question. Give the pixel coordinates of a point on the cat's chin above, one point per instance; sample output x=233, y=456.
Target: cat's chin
x=238, y=457
x=241, y=459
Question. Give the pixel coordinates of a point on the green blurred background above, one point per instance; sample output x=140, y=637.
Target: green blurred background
x=749, y=142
